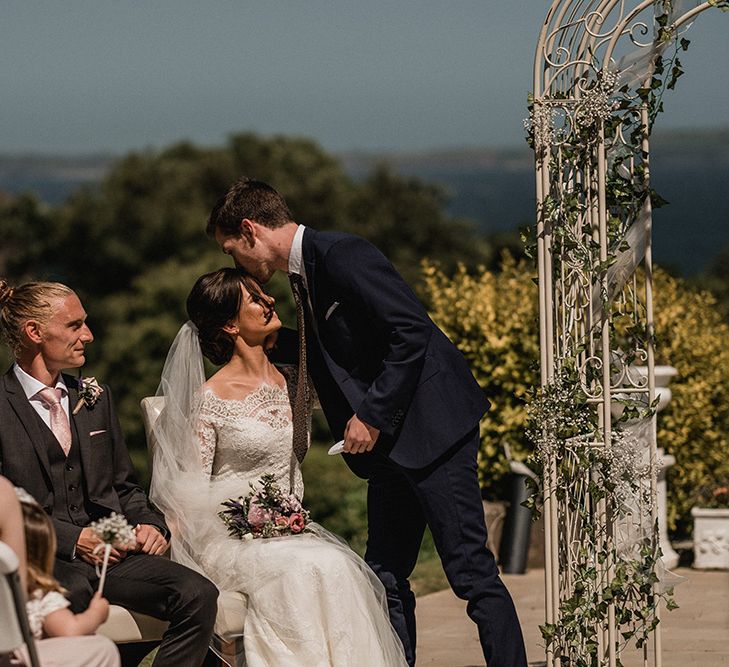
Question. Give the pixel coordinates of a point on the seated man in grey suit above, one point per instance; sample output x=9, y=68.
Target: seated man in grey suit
x=60, y=440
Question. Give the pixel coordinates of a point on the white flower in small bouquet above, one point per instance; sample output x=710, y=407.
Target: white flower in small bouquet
x=113, y=531
x=89, y=391
x=264, y=512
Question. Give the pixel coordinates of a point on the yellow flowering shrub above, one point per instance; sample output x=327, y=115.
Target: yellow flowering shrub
x=695, y=426
x=492, y=318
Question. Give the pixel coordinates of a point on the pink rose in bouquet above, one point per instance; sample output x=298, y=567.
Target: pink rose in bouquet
x=257, y=515
x=296, y=522
x=292, y=504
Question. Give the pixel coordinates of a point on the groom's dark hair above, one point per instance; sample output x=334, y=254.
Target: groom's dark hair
x=248, y=198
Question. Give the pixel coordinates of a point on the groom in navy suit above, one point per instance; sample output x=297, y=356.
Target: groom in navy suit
x=401, y=396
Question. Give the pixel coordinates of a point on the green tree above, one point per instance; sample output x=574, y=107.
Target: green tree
x=405, y=219
x=29, y=231
x=492, y=319
x=133, y=246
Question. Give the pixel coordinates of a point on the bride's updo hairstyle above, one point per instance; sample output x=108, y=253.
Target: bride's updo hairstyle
x=214, y=301
x=31, y=301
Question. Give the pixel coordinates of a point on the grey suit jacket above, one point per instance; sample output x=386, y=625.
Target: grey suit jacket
x=109, y=480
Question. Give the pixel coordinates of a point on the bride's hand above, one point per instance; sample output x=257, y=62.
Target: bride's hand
x=359, y=437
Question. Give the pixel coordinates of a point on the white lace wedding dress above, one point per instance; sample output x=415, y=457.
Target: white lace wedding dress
x=311, y=600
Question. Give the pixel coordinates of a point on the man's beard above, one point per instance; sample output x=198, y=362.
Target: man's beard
x=264, y=274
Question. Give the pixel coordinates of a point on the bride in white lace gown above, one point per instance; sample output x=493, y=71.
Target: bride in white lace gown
x=311, y=601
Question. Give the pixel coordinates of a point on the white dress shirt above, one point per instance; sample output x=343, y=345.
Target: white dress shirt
x=296, y=266
x=296, y=256
x=31, y=387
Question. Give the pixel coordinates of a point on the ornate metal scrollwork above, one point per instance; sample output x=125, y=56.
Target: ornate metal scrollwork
x=595, y=69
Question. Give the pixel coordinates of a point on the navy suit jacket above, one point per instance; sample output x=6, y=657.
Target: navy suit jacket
x=373, y=351
x=110, y=484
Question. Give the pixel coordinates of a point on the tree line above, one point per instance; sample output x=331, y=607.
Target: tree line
x=133, y=246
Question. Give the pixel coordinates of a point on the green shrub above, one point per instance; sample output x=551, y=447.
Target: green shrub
x=492, y=318
x=694, y=427
x=335, y=496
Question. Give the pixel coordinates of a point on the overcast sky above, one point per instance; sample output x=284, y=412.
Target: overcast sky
x=113, y=75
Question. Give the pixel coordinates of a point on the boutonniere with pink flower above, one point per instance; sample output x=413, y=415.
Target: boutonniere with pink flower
x=89, y=391
x=265, y=512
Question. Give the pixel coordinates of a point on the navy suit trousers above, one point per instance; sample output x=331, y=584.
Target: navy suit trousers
x=445, y=496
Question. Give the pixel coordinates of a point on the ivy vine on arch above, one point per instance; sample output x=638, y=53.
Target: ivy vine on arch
x=601, y=70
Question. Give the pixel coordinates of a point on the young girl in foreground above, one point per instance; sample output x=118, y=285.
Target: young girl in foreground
x=48, y=613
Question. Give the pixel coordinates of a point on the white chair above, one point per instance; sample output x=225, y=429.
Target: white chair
x=13, y=618
x=232, y=606
x=124, y=626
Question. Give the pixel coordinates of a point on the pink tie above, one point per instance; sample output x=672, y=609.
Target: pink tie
x=59, y=421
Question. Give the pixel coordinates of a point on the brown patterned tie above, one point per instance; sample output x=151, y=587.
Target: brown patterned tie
x=301, y=398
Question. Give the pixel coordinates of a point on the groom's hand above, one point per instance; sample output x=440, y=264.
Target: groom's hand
x=87, y=542
x=150, y=540
x=359, y=437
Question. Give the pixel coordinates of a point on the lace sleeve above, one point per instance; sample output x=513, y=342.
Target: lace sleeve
x=207, y=437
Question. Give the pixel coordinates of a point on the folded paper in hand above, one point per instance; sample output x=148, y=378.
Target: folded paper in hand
x=336, y=449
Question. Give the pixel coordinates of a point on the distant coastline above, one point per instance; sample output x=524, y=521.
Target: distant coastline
x=492, y=186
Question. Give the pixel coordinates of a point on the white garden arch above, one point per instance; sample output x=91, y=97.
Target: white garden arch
x=601, y=67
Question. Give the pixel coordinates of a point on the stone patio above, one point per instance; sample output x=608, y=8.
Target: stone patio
x=697, y=633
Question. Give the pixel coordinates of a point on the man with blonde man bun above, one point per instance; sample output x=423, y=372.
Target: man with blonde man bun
x=61, y=441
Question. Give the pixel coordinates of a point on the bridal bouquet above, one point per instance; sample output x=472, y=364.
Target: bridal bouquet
x=264, y=512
